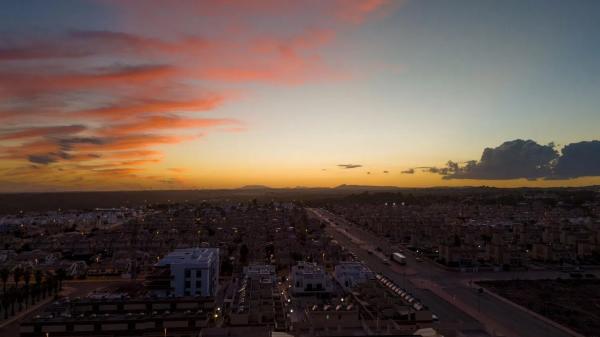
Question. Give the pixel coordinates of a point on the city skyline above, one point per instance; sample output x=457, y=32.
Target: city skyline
x=108, y=95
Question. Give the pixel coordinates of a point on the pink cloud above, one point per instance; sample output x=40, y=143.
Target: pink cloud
x=101, y=101
x=31, y=132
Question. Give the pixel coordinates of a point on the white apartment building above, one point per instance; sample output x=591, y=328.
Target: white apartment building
x=194, y=271
x=349, y=274
x=309, y=278
x=261, y=272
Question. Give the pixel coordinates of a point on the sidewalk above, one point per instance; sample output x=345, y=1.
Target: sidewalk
x=491, y=327
x=533, y=313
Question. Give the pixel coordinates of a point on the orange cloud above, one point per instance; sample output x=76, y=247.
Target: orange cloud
x=43, y=82
x=135, y=142
x=134, y=154
x=178, y=169
x=126, y=91
x=126, y=171
x=91, y=43
x=157, y=123
x=148, y=106
x=356, y=11
x=41, y=131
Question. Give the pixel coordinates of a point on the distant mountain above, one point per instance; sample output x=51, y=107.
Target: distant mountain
x=255, y=187
x=344, y=187
x=366, y=188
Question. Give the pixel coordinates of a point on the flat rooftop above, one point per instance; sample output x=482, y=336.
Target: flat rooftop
x=189, y=256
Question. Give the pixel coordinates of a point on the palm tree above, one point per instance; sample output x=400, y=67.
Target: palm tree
x=5, y=304
x=37, y=276
x=4, y=274
x=27, y=278
x=17, y=272
x=48, y=283
x=61, y=274
x=20, y=297
x=12, y=298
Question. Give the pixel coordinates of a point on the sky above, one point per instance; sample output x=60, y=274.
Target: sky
x=122, y=95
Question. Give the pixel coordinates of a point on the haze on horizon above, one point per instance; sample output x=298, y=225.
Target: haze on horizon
x=114, y=95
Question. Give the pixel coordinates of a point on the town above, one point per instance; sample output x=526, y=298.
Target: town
x=381, y=263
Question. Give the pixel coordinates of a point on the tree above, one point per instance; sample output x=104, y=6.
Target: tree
x=17, y=272
x=37, y=275
x=226, y=267
x=10, y=302
x=27, y=280
x=48, y=283
x=20, y=294
x=61, y=274
x=10, y=297
x=4, y=274
x=244, y=254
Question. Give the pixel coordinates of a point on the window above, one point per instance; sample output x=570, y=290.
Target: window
x=188, y=273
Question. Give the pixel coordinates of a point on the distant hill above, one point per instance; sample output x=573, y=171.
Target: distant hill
x=367, y=188
x=255, y=187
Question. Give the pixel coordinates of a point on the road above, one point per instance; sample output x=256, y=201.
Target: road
x=447, y=293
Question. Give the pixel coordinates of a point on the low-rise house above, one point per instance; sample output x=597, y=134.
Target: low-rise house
x=309, y=278
x=349, y=274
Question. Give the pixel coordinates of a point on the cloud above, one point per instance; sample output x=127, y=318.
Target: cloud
x=511, y=160
x=31, y=132
x=134, y=154
x=156, y=123
x=118, y=171
x=578, y=160
x=41, y=81
x=526, y=159
x=408, y=171
x=153, y=106
x=178, y=169
x=135, y=141
x=356, y=11
x=432, y=169
x=349, y=166
x=97, y=102
x=81, y=43
x=42, y=159
x=66, y=144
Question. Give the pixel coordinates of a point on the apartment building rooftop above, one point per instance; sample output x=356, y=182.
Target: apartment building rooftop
x=190, y=256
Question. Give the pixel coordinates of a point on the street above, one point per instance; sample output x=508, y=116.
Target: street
x=447, y=293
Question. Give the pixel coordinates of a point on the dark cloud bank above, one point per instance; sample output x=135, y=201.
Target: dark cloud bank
x=527, y=159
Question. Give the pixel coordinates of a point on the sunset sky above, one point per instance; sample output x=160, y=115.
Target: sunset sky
x=105, y=95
